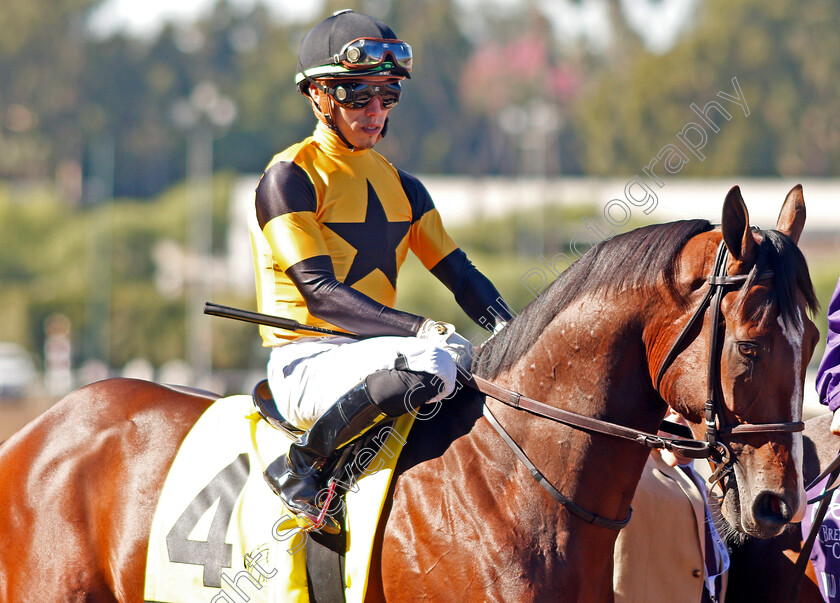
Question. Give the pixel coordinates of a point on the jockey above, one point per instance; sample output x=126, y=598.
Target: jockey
x=334, y=221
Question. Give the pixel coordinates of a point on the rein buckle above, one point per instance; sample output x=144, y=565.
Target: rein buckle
x=722, y=461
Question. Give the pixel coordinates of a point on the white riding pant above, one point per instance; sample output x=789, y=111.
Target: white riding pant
x=308, y=375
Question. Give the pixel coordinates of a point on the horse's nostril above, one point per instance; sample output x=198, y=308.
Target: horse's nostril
x=770, y=508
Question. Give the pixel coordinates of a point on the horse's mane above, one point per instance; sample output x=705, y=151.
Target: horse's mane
x=636, y=260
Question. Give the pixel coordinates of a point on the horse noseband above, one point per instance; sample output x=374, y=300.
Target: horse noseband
x=719, y=453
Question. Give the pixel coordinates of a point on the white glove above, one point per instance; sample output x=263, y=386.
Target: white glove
x=443, y=335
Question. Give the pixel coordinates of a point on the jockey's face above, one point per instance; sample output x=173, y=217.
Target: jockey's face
x=361, y=127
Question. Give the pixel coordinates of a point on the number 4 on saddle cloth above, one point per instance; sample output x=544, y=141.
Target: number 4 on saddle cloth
x=220, y=534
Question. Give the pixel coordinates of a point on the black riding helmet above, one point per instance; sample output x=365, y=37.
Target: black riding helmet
x=348, y=45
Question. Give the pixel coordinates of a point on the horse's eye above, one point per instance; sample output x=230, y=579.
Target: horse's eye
x=747, y=350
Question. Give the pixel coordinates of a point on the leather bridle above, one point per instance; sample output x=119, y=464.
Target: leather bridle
x=720, y=454
x=712, y=448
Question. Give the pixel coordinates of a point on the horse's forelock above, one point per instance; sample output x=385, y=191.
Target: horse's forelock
x=778, y=252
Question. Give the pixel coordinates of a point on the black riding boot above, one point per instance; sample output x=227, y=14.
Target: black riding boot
x=295, y=477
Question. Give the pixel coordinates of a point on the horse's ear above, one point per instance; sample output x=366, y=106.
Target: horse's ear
x=792, y=217
x=737, y=234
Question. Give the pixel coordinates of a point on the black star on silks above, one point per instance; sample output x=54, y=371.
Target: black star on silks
x=376, y=240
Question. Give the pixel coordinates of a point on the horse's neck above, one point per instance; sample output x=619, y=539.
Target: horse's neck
x=596, y=367
x=540, y=550
x=466, y=513
x=590, y=362
x=491, y=492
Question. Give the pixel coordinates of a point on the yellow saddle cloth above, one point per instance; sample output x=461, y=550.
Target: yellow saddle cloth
x=216, y=531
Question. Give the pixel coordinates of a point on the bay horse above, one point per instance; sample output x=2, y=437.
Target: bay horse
x=612, y=339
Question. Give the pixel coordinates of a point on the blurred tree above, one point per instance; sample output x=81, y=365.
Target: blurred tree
x=42, y=53
x=74, y=100
x=521, y=84
x=46, y=267
x=134, y=89
x=272, y=113
x=431, y=130
x=785, y=58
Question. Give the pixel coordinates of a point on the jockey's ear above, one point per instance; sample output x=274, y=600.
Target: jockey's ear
x=792, y=217
x=737, y=234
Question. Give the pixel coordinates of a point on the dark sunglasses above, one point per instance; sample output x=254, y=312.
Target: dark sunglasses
x=355, y=95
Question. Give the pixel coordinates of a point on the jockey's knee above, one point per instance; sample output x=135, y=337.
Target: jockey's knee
x=403, y=389
x=425, y=357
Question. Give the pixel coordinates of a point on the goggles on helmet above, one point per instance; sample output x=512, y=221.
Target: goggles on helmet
x=364, y=53
x=355, y=95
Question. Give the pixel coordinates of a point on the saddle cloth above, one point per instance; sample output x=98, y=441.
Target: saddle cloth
x=215, y=533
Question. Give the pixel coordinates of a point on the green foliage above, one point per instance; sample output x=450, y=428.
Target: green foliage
x=96, y=265
x=784, y=54
x=477, y=75
x=42, y=54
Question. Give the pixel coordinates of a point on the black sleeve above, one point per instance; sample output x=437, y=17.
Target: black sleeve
x=328, y=299
x=473, y=291
x=418, y=196
x=283, y=189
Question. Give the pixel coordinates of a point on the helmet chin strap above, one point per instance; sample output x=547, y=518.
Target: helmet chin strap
x=326, y=108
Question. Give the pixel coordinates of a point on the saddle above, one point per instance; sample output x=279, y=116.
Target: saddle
x=268, y=410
